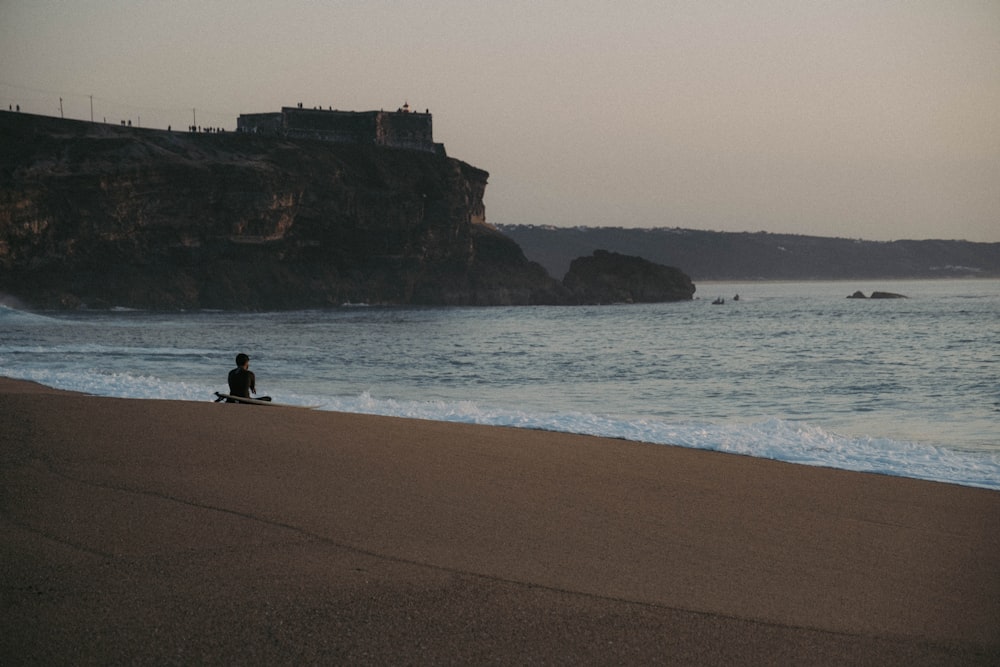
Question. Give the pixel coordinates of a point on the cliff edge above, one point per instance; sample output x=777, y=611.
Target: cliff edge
x=95, y=215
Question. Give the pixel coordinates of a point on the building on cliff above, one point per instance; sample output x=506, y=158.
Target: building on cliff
x=402, y=128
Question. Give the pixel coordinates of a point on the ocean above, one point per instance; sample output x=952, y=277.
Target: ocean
x=790, y=371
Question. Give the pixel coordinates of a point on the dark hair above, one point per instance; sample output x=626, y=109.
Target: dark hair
x=241, y=359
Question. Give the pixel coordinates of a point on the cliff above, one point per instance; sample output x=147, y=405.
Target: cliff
x=707, y=255
x=100, y=216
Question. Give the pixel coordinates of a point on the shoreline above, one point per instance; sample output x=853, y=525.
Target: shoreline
x=885, y=462
x=172, y=531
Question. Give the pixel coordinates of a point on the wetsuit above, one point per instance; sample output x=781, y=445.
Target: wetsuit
x=241, y=383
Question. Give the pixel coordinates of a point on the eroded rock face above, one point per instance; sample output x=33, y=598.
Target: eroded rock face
x=100, y=216
x=608, y=277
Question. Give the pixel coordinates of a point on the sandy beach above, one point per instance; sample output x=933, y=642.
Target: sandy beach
x=169, y=532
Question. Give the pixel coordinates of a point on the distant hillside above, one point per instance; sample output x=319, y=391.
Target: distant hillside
x=705, y=255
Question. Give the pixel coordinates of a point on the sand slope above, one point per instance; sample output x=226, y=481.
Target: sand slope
x=179, y=532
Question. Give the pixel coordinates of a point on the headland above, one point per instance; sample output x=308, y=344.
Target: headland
x=302, y=208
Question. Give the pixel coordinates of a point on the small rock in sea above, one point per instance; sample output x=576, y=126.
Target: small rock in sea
x=858, y=295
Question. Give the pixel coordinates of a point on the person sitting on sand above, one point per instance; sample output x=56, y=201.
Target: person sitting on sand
x=242, y=381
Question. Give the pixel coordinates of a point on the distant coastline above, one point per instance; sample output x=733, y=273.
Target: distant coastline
x=724, y=256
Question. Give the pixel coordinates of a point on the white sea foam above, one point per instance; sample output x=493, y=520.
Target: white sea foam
x=790, y=372
x=776, y=439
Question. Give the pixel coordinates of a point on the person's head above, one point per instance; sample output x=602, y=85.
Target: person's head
x=242, y=360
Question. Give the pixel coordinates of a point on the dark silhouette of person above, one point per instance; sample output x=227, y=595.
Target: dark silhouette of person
x=242, y=381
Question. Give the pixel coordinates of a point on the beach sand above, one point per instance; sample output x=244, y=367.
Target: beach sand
x=171, y=532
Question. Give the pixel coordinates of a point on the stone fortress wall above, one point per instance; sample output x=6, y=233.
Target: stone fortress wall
x=397, y=129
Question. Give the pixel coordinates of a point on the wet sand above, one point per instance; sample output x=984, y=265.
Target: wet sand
x=169, y=532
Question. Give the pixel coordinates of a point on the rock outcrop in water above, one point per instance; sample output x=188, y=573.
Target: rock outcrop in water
x=877, y=295
x=100, y=216
x=609, y=277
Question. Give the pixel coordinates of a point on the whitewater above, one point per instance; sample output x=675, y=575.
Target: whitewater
x=791, y=371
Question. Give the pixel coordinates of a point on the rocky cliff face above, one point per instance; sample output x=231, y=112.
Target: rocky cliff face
x=99, y=216
x=609, y=277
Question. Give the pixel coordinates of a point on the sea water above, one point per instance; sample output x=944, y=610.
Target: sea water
x=790, y=371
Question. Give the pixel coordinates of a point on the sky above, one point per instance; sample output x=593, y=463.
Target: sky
x=864, y=119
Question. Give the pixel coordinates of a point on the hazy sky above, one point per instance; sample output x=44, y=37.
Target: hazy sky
x=862, y=119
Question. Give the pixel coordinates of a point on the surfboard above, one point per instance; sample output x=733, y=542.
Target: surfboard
x=256, y=401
